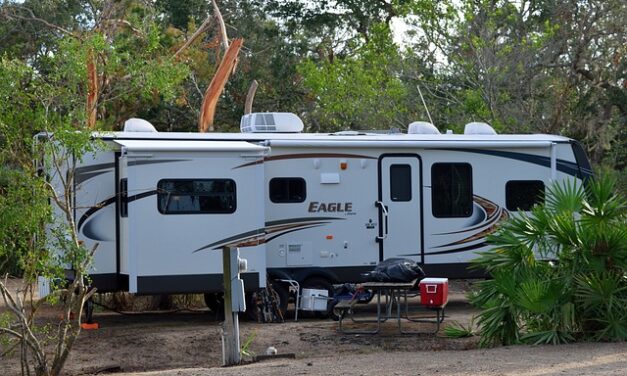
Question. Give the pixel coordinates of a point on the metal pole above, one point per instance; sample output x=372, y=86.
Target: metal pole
x=553, y=162
x=424, y=103
x=230, y=327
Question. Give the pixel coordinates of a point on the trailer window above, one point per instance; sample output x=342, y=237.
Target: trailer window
x=523, y=194
x=400, y=182
x=451, y=190
x=288, y=190
x=196, y=196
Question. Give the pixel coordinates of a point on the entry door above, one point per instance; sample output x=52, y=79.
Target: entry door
x=400, y=228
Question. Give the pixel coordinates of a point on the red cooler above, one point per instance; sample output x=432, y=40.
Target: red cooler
x=434, y=292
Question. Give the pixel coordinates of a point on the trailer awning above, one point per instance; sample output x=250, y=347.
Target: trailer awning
x=199, y=145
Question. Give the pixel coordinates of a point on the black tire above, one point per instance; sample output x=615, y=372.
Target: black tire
x=321, y=283
x=215, y=302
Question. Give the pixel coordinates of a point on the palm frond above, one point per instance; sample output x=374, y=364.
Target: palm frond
x=565, y=197
x=548, y=337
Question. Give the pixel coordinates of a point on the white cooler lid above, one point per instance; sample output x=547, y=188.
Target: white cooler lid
x=434, y=280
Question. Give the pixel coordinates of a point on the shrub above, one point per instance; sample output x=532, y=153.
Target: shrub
x=559, y=273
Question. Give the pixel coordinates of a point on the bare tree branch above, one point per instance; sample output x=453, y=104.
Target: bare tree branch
x=224, y=38
x=214, y=90
x=250, y=97
x=31, y=17
x=201, y=29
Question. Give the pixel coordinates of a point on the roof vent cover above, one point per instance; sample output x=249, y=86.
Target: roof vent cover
x=271, y=122
x=138, y=125
x=479, y=128
x=422, y=127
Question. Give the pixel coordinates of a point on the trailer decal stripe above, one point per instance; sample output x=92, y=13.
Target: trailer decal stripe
x=294, y=230
x=566, y=167
x=304, y=156
x=84, y=176
x=87, y=172
x=455, y=250
x=140, y=162
x=246, y=236
x=272, y=230
x=94, y=209
x=491, y=209
x=488, y=216
x=141, y=195
x=95, y=167
x=107, y=202
x=299, y=220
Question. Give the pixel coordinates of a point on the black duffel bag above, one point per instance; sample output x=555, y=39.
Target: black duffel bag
x=396, y=270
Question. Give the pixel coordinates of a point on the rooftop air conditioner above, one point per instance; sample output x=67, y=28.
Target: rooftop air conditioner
x=271, y=122
x=479, y=128
x=138, y=125
x=422, y=127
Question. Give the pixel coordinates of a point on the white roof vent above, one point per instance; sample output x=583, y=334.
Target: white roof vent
x=138, y=125
x=479, y=128
x=271, y=122
x=422, y=127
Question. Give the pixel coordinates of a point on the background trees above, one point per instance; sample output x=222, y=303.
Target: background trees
x=528, y=66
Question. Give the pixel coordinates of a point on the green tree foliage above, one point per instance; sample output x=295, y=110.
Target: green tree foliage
x=360, y=91
x=582, y=293
x=23, y=211
x=48, y=92
x=550, y=67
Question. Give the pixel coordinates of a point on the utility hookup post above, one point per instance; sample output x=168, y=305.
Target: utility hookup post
x=234, y=302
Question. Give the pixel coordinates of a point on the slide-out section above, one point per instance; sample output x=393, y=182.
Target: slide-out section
x=180, y=203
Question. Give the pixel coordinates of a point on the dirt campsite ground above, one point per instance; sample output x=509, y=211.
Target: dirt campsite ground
x=187, y=342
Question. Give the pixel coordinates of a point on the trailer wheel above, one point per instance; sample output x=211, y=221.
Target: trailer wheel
x=321, y=284
x=215, y=302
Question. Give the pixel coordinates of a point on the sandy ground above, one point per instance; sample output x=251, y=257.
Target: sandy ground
x=573, y=359
x=188, y=343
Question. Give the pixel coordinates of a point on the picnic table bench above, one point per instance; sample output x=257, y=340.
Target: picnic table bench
x=392, y=297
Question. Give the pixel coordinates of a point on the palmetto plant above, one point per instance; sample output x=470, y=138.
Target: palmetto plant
x=558, y=273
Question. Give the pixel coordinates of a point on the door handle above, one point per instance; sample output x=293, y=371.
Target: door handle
x=384, y=211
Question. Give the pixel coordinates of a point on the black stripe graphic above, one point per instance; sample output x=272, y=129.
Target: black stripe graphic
x=566, y=167
x=300, y=224
x=94, y=209
x=141, y=195
x=92, y=168
x=144, y=162
x=294, y=230
x=109, y=201
x=82, y=177
x=300, y=219
x=456, y=250
x=238, y=237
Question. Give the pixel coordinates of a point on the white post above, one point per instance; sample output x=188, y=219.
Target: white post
x=230, y=328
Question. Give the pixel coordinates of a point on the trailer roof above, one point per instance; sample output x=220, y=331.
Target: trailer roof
x=331, y=137
x=184, y=145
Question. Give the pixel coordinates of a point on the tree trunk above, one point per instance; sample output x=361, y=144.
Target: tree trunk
x=215, y=88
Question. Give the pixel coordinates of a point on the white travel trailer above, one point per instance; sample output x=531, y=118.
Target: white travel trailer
x=318, y=208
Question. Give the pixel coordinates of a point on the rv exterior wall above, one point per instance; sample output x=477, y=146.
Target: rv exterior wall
x=308, y=201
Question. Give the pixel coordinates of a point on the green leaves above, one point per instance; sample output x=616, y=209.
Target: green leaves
x=23, y=211
x=581, y=293
x=359, y=91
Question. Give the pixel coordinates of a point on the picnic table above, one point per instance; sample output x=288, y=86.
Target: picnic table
x=392, y=304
